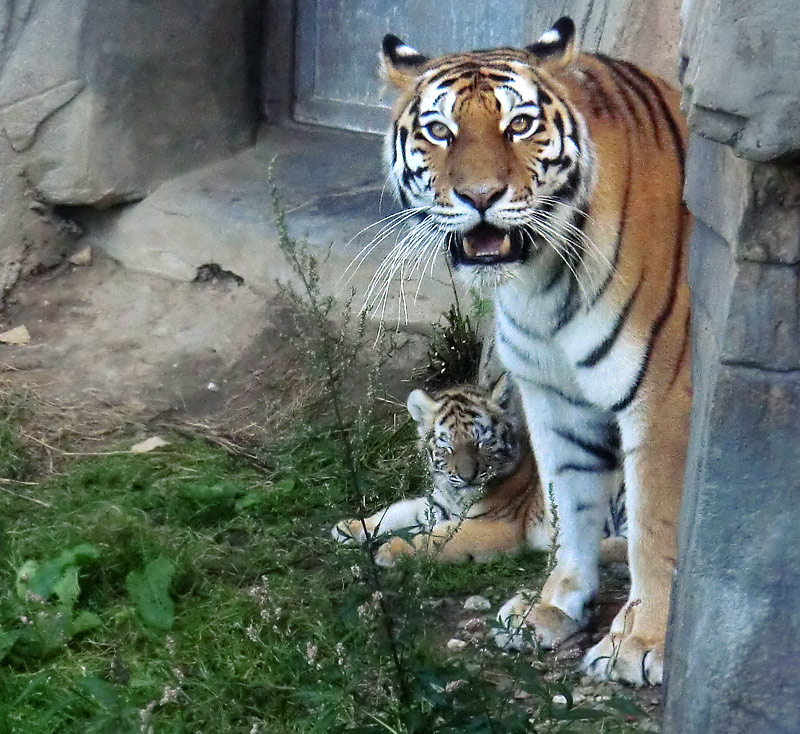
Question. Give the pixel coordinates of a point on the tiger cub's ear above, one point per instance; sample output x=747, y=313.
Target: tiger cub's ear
x=557, y=46
x=422, y=408
x=400, y=63
x=503, y=392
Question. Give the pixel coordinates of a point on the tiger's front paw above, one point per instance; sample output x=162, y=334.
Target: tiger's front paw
x=391, y=550
x=525, y=624
x=633, y=652
x=350, y=532
x=629, y=659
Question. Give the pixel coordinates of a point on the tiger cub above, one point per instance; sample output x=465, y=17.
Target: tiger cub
x=486, y=497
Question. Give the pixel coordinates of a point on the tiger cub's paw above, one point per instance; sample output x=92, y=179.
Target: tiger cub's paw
x=523, y=624
x=629, y=659
x=391, y=550
x=350, y=532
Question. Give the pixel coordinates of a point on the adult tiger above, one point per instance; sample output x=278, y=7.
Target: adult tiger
x=555, y=178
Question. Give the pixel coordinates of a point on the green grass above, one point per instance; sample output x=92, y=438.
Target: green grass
x=185, y=591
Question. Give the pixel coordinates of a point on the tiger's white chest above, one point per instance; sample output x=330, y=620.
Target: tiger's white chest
x=535, y=349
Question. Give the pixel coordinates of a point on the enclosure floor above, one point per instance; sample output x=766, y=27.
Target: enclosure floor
x=133, y=329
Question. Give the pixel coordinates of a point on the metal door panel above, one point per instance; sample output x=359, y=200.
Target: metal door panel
x=338, y=41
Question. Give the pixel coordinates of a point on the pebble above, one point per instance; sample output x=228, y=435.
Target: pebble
x=560, y=700
x=474, y=624
x=456, y=645
x=82, y=256
x=477, y=604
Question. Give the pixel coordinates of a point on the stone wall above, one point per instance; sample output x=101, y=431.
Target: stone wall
x=734, y=647
x=101, y=101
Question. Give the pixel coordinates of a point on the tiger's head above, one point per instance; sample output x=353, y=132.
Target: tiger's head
x=472, y=437
x=487, y=151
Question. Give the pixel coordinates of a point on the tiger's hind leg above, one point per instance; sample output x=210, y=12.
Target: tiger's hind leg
x=574, y=446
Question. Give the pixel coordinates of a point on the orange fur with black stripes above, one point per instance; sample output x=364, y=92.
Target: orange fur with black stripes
x=554, y=179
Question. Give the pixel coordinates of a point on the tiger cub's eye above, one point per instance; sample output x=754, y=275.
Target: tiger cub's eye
x=520, y=124
x=438, y=131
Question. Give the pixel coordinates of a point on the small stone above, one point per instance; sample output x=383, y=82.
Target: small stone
x=578, y=697
x=82, y=256
x=17, y=335
x=456, y=645
x=474, y=624
x=587, y=680
x=560, y=700
x=521, y=695
x=477, y=604
x=602, y=699
x=149, y=444
x=212, y=386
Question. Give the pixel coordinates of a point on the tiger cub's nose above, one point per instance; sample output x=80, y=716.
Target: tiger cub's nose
x=465, y=464
x=481, y=196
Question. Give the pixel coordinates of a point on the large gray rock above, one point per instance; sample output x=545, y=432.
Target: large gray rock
x=741, y=63
x=331, y=185
x=734, y=649
x=103, y=100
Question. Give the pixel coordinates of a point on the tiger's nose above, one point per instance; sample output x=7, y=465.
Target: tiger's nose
x=481, y=196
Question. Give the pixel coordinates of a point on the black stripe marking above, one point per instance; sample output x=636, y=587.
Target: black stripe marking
x=584, y=506
x=583, y=468
x=598, y=98
x=569, y=307
x=684, y=351
x=557, y=392
x=403, y=142
x=623, y=216
x=445, y=512
x=599, y=352
x=555, y=275
x=523, y=356
x=623, y=81
x=677, y=138
x=516, y=324
x=602, y=453
x=658, y=324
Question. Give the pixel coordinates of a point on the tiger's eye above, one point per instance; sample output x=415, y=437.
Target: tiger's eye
x=520, y=124
x=438, y=131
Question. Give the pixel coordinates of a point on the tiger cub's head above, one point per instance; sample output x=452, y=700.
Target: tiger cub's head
x=487, y=149
x=472, y=437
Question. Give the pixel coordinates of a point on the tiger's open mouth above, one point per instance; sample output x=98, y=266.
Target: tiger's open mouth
x=487, y=245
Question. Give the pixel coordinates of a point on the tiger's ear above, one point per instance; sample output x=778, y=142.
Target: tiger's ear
x=503, y=392
x=556, y=46
x=400, y=63
x=422, y=407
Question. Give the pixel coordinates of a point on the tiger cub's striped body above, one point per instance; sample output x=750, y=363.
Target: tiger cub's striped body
x=485, y=496
x=555, y=179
